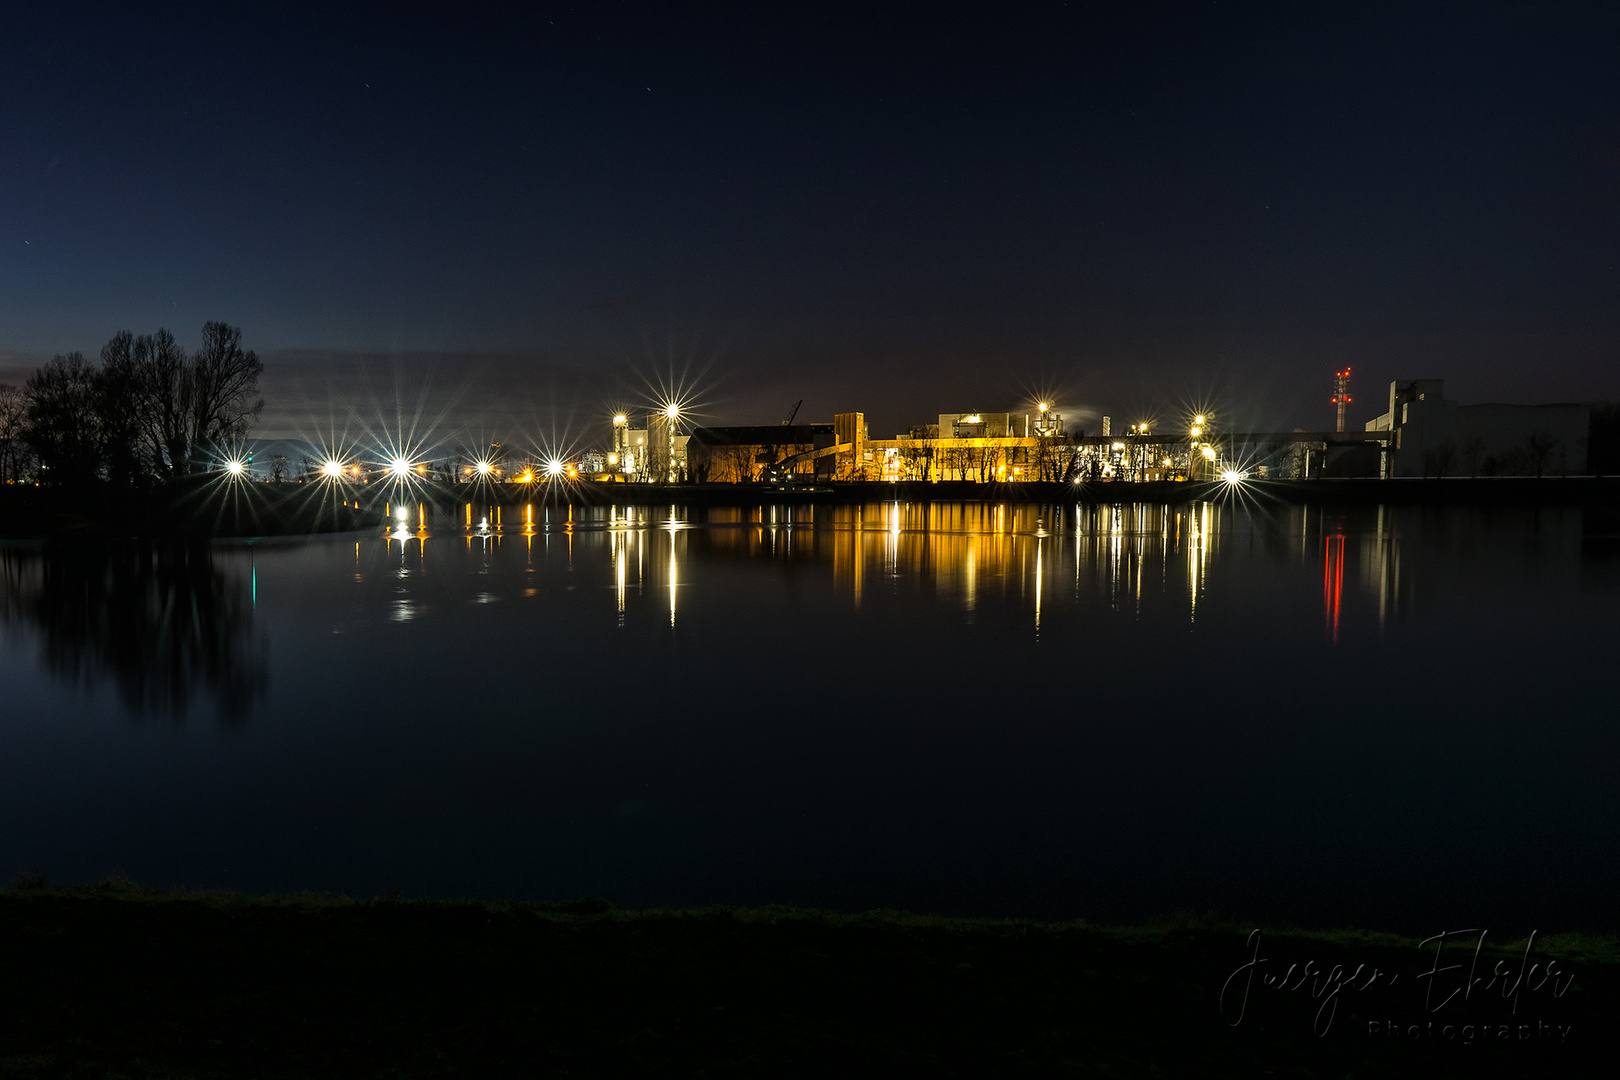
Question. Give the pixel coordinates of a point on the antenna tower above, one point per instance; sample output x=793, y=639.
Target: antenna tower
x=1341, y=394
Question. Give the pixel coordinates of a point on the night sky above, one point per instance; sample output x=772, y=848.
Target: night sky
x=512, y=224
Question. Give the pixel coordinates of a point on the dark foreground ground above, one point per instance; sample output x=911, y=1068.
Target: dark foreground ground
x=110, y=981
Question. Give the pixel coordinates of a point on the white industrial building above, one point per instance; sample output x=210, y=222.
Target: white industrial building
x=1438, y=437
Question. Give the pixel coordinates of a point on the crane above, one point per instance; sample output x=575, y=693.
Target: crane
x=789, y=421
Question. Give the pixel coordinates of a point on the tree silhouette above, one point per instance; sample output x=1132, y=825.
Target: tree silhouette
x=1540, y=446
x=148, y=410
x=63, y=426
x=223, y=393
x=16, y=456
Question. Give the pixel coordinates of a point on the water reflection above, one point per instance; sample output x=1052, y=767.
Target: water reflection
x=969, y=554
x=164, y=625
x=1131, y=707
x=1333, y=582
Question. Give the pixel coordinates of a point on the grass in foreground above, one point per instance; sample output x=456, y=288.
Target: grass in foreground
x=112, y=980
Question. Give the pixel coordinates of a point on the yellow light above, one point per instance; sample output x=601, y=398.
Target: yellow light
x=613, y=459
x=1119, y=446
x=400, y=513
x=621, y=419
x=1043, y=406
x=554, y=467
x=332, y=469
x=485, y=468
x=1198, y=420
x=671, y=411
x=1197, y=430
x=1209, y=453
x=1231, y=476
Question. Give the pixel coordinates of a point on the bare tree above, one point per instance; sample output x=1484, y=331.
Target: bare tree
x=918, y=461
x=224, y=392
x=63, y=425
x=189, y=409
x=1439, y=459
x=985, y=459
x=16, y=456
x=146, y=411
x=955, y=460
x=1540, y=446
x=736, y=464
x=128, y=452
x=1052, y=456
x=146, y=378
x=850, y=467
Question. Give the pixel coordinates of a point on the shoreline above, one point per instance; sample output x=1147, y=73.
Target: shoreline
x=182, y=512
x=192, y=511
x=1487, y=491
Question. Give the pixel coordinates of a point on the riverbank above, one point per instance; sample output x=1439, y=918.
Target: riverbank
x=203, y=508
x=1490, y=491
x=113, y=980
x=210, y=507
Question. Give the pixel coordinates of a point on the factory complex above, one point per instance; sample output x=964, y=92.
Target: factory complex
x=1422, y=434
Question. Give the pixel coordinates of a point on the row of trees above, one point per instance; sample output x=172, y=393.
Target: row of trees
x=1540, y=453
x=148, y=412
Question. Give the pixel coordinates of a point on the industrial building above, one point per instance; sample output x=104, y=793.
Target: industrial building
x=1434, y=436
x=1422, y=434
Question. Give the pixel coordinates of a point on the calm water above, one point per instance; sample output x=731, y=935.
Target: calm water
x=1403, y=719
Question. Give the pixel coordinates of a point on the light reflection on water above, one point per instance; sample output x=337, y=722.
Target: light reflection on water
x=955, y=551
x=1300, y=714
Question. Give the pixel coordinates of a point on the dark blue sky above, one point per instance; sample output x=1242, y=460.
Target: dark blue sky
x=525, y=220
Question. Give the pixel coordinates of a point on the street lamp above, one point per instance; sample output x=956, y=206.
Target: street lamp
x=672, y=413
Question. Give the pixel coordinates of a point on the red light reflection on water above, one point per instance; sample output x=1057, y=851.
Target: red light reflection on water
x=1333, y=583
